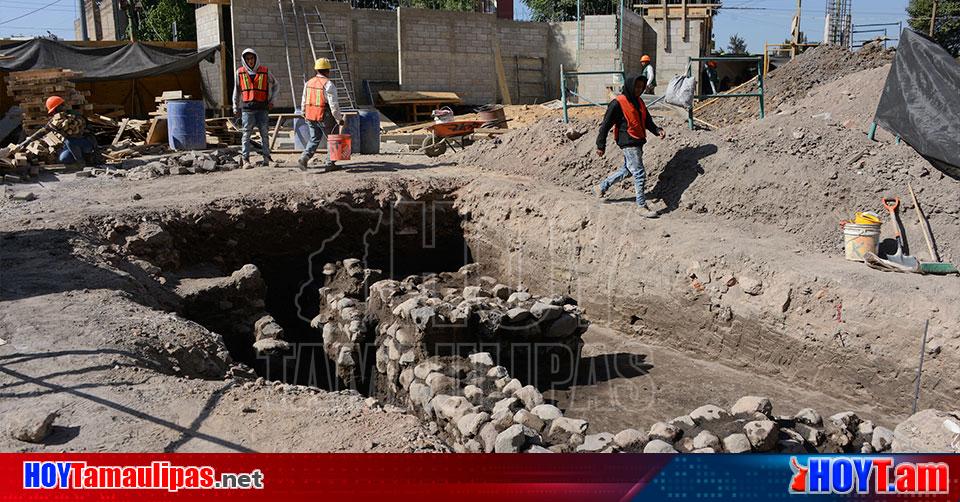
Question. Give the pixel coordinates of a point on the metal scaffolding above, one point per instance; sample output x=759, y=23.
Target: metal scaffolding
x=838, y=24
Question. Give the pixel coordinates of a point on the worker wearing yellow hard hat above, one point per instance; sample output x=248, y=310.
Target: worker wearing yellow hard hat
x=321, y=109
x=646, y=68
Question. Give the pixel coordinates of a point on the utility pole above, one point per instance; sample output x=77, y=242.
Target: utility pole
x=796, y=32
x=83, y=21
x=933, y=17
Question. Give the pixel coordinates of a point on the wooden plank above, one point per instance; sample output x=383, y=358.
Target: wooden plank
x=501, y=74
x=158, y=132
x=123, y=127
x=403, y=97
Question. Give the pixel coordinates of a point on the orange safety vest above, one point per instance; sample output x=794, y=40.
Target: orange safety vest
x=636, y=119
x=316, y=105
x=256, y=89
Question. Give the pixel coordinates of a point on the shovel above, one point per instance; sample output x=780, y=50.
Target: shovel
x=898, y=257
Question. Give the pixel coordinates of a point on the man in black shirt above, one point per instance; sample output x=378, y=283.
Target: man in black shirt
x=630, y=120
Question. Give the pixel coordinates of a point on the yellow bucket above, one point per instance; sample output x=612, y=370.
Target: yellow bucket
x=860, y=239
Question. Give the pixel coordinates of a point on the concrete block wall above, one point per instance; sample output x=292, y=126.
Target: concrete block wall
x=448, y=51
x=672, y=50
x=598, y=52
x=634, y=34
x=209, y=34
x=524, y=43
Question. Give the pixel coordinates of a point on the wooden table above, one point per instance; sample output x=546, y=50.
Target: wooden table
x=419, y=104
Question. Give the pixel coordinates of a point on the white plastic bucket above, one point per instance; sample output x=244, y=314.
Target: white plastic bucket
x=860, y=239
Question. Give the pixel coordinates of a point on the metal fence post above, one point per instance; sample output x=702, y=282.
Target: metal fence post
x=563, y=95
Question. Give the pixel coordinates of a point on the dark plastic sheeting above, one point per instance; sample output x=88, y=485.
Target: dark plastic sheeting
x=120, y=62
x=921, y=101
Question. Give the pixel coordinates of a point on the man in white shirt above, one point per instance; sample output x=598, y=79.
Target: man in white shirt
x=321, y=110
x=648, y=71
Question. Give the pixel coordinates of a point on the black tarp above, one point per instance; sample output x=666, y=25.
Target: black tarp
x=921, y=101
x=119, y=62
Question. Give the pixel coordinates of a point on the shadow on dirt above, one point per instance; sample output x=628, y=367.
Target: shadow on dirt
x=679, y=173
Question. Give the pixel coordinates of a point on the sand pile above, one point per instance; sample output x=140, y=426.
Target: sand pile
x=799, y=171
x=795, y=79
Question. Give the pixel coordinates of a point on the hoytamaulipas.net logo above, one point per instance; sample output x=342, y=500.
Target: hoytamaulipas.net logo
x=873, y=475
x=66, y=475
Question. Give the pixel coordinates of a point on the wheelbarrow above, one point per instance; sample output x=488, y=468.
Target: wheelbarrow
x=442, y=135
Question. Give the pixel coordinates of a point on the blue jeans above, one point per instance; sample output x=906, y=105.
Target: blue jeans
x=259, y=119
x=318, y=133
x=80, y=145
x=632, y=166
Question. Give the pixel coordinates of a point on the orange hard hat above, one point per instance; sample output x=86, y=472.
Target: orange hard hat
x=712, y=64
x=53, y=102
x=645, y=59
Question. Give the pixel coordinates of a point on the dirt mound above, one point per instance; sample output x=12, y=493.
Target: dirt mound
x=795, y=79
x=799, y=171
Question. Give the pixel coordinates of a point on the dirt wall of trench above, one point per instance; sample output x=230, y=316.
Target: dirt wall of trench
x=816, y=322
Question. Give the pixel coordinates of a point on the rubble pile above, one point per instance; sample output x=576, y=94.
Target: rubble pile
x=446, y=314
x=173, y=164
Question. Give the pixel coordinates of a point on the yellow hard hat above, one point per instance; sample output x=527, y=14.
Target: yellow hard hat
x=322, y=64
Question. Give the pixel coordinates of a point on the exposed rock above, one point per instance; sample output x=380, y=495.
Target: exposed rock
x=659, y=446
x=547, y=412
x=763, y=434
x=529, y=395
x=630, y=440
x=664, y=431
x=881, y=439
x=594, y=443
x=706, y=439
x=927, y=431
x=748, y=405
x=750, y=285
x=562, y=429
x=32, y=425
x=809, y=416
x=736, y=443
x=514, y=438
x=482, y=358
x=524, y=417
x=708, y=413
x=469, y=424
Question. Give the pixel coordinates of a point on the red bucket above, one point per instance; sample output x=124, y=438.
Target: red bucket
x=338, y=145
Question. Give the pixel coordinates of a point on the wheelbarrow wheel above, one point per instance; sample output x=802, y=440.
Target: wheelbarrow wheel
x=433, y=146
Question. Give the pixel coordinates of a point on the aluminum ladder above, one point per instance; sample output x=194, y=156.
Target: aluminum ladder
x=322, y=46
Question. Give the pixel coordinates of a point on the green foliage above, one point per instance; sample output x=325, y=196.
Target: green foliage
x=155, y=21
x=457, y=5
x=566, y=10
x=737, y=45
x=947, y=29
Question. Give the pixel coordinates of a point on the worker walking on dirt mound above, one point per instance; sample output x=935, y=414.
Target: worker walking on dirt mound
x=321, y=109
x=630, y=120
x=649, y=73
x=253, y=99
x=72, y=126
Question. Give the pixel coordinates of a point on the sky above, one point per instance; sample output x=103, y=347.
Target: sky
x=757, y=21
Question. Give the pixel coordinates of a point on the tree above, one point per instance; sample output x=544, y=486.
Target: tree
x=566, y=10
x=737, y=45
x=947, y=27
x=154, y=20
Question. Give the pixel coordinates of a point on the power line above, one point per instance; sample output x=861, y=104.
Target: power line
x=54, y=2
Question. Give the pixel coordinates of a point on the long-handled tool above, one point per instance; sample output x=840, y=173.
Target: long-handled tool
x=925, y=225
x=900, y=256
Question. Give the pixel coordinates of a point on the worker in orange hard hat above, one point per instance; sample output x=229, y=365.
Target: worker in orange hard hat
x=72, y=127
x=711, y=71
x=647, y=70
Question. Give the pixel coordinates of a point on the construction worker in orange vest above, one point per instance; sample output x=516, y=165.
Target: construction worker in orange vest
x=630, y=120
x=321, y=109
x=648, y=71
x=253, y=98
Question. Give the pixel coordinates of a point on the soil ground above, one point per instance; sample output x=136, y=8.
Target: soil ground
x=751, y=206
